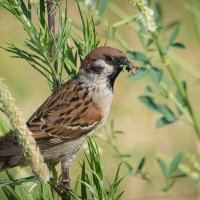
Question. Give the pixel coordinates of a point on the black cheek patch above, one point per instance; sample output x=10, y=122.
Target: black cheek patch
x=96, y=69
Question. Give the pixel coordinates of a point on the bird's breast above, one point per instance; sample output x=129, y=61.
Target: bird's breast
x=103, y=99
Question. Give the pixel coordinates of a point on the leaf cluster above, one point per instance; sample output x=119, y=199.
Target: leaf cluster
x=92, y=183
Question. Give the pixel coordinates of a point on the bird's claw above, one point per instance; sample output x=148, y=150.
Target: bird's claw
x=64, y=184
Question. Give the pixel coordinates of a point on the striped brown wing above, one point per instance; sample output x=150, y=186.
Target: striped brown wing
x=66, y=115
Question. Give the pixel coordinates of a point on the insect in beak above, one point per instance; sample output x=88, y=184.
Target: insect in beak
x=131, y=68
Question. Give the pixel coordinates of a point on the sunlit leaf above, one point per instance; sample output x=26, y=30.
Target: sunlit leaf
x=138, y=76
x=148, y=89
x=149, y=102
x=172, y=38
x=102, y=6
x=174, y=34
x=156, y=74
x=163, y=121
x=138, y=56
x=163, y=166
x=175, y=163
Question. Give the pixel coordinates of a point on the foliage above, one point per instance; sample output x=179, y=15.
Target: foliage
x=93, y=180
x=93, y=183
x=56, y=55
x=48, y=52
x=171, y=173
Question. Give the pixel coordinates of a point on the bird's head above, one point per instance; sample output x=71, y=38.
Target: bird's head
x=104, y=64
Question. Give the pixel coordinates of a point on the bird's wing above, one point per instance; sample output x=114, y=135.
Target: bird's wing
x=66, y=115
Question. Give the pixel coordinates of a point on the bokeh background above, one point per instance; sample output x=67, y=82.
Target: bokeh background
x=141, y=138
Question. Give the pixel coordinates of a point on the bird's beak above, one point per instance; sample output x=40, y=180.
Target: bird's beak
x=131, y=68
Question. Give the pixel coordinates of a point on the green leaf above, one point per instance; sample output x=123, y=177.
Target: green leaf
x=118, y=132
x=179, y=96
x=18, y=181
x=138, y=56
x=161, y=108
x=168, y=116
x=138, y=76
x=148, y=89
x=158, y=14
x=102, y=7
x=178, y=45
x=149, y=102
x=83, y=178
x=174, y=34
x=172, y=38
x=140, y=165
x=163, y=121
x=149, y=42
x=175, y=163
x=178, y=175
x=42, y=13
x=156, y=74
x=24, y=9
x=167, y=112
x=163, y=166
x=29, y=10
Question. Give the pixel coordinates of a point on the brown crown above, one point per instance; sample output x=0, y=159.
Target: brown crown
x=100, y=52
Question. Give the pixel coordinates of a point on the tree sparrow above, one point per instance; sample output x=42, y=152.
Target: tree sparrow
x=78, y=108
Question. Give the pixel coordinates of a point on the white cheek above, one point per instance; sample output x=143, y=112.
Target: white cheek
x=108, y=69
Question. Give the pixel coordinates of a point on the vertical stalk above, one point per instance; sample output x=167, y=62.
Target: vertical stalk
x=177, y=83
x=51, y=9
x=51, y=12
x=51, y=20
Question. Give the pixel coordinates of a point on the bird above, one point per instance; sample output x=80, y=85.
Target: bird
x=78, y=108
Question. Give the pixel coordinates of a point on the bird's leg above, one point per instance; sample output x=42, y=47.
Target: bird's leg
x=65, y=175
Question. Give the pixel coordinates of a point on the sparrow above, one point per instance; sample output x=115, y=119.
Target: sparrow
x=78, y=108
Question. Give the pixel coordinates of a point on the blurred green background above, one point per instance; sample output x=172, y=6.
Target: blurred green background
x=141, y=138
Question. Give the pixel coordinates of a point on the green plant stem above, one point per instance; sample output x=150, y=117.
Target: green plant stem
x=124, y=21
x=177, y=103
x=165, y=61
x=193, y=8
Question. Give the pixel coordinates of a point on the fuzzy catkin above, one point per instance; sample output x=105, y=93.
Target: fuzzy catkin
x=147, y=14
x=30, y=149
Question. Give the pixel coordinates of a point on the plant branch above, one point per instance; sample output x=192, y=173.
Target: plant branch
x=167, y=64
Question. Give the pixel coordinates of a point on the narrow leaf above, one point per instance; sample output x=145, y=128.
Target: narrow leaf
x=163, y=121
x=138, y=76
x=102, y=7
x=175, y=163
x=174, y=34
x=178, y=45
x=156, y=74
x=163, y=166
x=138, y=56
x=140, y=165
x=42, y=13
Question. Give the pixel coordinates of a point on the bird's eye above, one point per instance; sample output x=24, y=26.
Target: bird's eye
x=109, y=58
